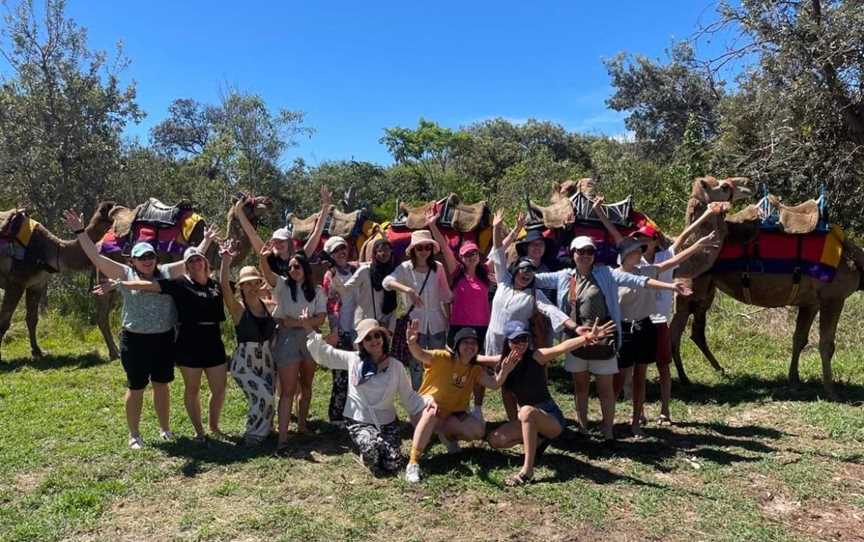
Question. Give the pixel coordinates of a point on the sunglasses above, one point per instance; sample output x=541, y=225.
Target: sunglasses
x=527, y=269
x=373, y=336
x=146, y=257
x=471, y=254
x=521, y=339
x=585, y=251
x=423, y=248
x=295, y=266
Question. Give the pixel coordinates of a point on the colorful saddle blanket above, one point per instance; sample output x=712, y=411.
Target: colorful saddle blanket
x=171, y=239
x=816, y=254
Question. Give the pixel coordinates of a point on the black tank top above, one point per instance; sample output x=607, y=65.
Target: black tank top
x=527, y=381
x=255, y=329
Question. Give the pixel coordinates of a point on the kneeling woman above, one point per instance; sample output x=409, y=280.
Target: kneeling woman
x=374, y=380
x=199, y=343
x=448, y=382
x=252, y=364
x=524, y=374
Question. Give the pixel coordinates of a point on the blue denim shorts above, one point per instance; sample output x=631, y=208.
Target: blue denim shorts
x=551, y=407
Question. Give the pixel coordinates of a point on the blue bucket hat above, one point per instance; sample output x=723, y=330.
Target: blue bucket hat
x=514, y=329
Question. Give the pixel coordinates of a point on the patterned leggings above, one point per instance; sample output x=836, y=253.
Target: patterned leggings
x=252, y=369
x=380, y=448
x=339, y=391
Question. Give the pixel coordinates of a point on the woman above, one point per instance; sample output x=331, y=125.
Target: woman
x=374, y=380
x=639, y=334
x=282, y=242
x=448, y=380
x=367, y=287
x=655, y=254
x=340, y=316
x=252, y=364
x=148, y=320
x=523, y=371
x=591, y=292
x=199, y=349
x=296, y=296
x=470, y=284
x=423, y=283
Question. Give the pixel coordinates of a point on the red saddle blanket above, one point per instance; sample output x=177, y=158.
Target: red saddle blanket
x=815, y=254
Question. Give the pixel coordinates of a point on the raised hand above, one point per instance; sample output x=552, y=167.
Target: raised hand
x=510, y=361
x=497, y=218
x=74, y=222
x=432, y=217
x=266, y=249
x=211, y=232
x=326, y=197
x=521, y=220
x=412, y=332
x=597, y=207
x=238, y=206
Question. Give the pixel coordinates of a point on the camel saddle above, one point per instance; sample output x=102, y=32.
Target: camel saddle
x=345, y=225
x=10, y=222
x=157, y=213
x=554, y=216
x=301, y=228
x=618, y=213
x=454, y=214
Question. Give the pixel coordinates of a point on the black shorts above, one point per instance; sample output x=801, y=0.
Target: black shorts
x=199, y=346
x=638, y=343
x=481, y=335
x=147, y=357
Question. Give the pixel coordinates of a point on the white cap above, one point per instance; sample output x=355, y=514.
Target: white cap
x=192, y=252
x=333, y=243
x=282, y=234
x=581, y=242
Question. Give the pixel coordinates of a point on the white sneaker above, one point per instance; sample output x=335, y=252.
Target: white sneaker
x=452, y=445
x=166, y=435
x=412, y=473
x=136, y=443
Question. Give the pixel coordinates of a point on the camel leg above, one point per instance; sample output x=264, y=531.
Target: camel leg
x=33, y=299
x=103, y=311
x=11, y=297
x=697, y=335
x=676, y=331
x=806, y=315
x=829, y=316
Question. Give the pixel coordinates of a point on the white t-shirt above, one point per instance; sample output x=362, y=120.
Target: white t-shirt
x=638, y=303
x=285, y=306
x=665, y=298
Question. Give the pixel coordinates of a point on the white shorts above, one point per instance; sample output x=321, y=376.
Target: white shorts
x=595, y=366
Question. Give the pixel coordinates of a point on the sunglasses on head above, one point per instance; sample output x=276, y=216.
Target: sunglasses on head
x=527, y=269
x=520, y=339
x=585, y=251
x=373, y=336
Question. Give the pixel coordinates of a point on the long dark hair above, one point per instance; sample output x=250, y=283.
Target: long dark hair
x=377, y=272
x=308, y=286
x=513, y=268
x=482, y=273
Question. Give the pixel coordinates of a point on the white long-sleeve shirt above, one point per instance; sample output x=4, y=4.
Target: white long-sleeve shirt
x=373, y=400
x=368, y=302
x=436, y=293
x=512, y=304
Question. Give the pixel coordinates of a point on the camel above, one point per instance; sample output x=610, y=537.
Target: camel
x=259, y=207
x=766, y=290
x=31, y=278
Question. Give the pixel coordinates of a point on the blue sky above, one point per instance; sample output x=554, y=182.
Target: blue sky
x=356, y=68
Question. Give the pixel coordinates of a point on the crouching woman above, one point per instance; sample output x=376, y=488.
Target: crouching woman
x=523, y=371
x=375, y=379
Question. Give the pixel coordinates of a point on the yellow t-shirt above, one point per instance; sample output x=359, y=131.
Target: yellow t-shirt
x=449, y=382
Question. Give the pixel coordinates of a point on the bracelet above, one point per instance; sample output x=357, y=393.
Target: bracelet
x=79, y=232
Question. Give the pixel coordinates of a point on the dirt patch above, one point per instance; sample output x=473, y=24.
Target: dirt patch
x=27, y=482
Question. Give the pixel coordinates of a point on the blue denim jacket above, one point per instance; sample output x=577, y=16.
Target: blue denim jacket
x=608, y=281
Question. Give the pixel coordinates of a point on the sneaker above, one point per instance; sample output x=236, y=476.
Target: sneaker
x=412, y=473
x=136, y=443
x=452, y=445
x=166, y=435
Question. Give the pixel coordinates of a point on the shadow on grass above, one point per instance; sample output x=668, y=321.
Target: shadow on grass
x=733, y=390
x=323, y=438
x=48, y=362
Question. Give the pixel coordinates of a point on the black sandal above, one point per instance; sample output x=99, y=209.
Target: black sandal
x=518, y=479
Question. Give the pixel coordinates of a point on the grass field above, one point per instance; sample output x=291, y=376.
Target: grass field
x=749, y=459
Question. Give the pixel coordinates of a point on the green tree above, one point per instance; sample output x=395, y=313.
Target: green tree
x=62, y=112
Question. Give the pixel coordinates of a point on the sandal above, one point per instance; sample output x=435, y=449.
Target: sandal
x=518, y=479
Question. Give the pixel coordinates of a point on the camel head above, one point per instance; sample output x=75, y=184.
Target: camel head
x=102, y=219
x=567, y=189
x=731, y=189
x=256, y=208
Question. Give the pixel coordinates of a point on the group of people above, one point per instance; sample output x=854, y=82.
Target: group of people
x=467, y=325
